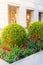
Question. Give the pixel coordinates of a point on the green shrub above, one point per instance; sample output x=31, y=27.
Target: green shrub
x=14, y=55
x=2, y=53
x=0, y=39
x=32, y=45
x=39, y=46
x=13, y=34
x=36, y=46
x=35, y=31
x=28, y=52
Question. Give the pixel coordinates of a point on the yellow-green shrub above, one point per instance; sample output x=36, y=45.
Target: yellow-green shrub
x=13, y=34
x=35, y=31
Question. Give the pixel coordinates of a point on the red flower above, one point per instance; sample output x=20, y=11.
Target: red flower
x=3, y=48
x=8, y=50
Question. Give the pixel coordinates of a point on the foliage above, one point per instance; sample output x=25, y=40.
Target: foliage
x=35, y=31
x=36, y=46
x=28, y=52
x=27, y=40
x=22, y=43
x=13, y=34
x=39, y=46
x=0, y=40
x=14, y=55
x=32, y=45
x=2, y=53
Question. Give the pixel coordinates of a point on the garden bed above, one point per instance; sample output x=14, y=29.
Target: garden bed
x=35, y=59
x=16, y=43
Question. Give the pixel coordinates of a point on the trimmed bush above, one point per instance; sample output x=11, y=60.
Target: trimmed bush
x=13, y=34
x=35, y=31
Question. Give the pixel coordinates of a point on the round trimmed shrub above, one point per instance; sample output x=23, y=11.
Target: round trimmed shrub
x=13, y=34
x=35, y=31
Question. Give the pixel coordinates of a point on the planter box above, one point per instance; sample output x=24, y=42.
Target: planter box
x=35, y=59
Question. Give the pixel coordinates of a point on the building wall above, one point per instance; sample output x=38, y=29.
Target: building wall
x=36, y=5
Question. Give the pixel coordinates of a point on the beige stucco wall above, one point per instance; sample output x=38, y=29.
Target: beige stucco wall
x=36, y=5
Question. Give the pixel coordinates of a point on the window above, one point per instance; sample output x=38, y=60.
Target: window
x=12, y=13
x=40, y=16
x=28, y=16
